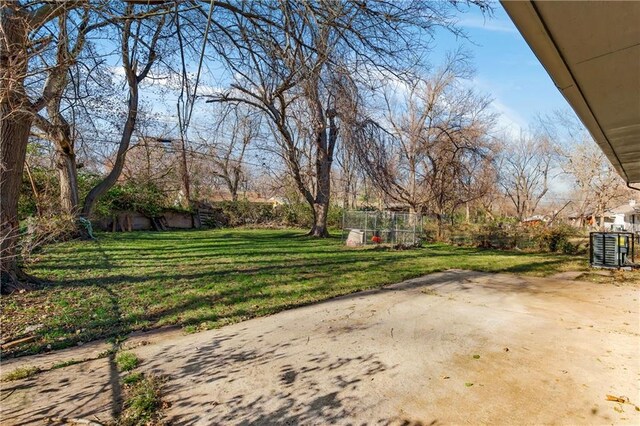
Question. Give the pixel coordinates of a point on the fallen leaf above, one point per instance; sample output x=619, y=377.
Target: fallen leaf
x=476, y=357
x=621, y=399
x=447, y=377
x=468, y=384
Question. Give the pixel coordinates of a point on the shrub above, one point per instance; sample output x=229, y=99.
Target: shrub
x=296, y=214
x=38, y=231
x=430, y=231
x=495, y=235
x=334, y=218
x=45, y=199
x=508, y=236
x=567, y=247
x=239, y=213
x=555, y=238
x=145, y=198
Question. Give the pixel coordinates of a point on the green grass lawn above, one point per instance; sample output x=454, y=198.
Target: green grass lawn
x=204, y=279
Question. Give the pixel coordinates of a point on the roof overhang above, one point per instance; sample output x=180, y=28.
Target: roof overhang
x=591, y=50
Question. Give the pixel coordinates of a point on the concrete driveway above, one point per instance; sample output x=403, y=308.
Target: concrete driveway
x=456, y=347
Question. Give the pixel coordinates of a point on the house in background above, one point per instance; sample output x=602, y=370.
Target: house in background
x=625, y=217
x=537, y=219
x=591, y=219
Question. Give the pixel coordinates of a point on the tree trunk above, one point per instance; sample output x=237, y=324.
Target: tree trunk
x=320, y=204
x=232, y=186
x=345, y=195
x=129, y=126
x=130, y=66
x=68, y=175
x=106, y=184
x=15, y=125
x=320, y=212
x=440, y=231
x=184, y=170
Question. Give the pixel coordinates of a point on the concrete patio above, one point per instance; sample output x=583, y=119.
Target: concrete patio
x=456, y=347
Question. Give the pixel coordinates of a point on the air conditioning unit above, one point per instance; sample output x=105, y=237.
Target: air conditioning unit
x=611, y=249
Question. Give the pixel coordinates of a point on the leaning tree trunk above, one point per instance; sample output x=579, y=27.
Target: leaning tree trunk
x=133, y=81
x=106, y=184
x=14, y=136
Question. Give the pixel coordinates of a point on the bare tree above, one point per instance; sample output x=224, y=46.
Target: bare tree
x=525, y=166
x=152, y=161
x=433, y=154
x=349, y=174
x=70, y=39
x=596, y=184
x=302, y=66
x=36, y=57
x=21, y=40
x=138, y=57
x=237, y=128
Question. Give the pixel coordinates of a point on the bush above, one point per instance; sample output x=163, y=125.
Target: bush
x=47, y=195
x=239, y=213
x=567, y=247
x=38, y=231
x=296, y=214
x=495, y=235
x=509, y=236
x=430, y=231
x=145, y=198
x=242, y=213
x=334, y=218
x=47, y=186
x=555, y=238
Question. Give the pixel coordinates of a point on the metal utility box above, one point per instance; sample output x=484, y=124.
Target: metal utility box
x=611, y=249
x=355, y=238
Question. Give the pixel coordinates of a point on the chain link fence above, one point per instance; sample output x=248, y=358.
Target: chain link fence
x=381, y=227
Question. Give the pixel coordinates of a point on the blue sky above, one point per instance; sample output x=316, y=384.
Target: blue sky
x=506, y=68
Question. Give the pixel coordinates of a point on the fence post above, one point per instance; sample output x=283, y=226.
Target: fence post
x=344, y=215
x=395, y=225
x=414, y=219
x=366, y=218
x=375, y=223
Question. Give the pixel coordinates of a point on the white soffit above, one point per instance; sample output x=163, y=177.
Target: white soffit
x=591, y=50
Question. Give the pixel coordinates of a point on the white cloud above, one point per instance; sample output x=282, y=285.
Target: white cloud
x=509, y=121
x=481, y=23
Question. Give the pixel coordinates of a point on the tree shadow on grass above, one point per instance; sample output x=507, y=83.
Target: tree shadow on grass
x=538, y=267
x=233, y=291
x=265, y=275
